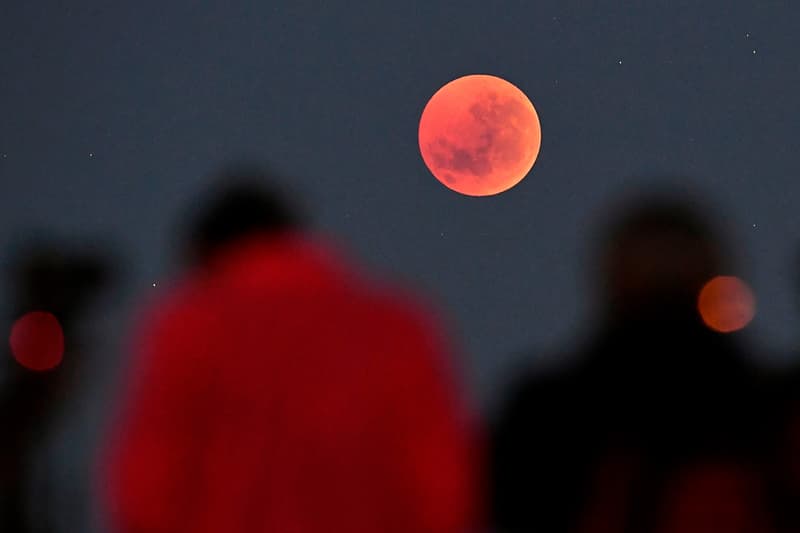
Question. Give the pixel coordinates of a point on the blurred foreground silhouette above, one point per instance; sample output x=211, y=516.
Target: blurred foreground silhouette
x=660, y=424
x=53, y=278
x=277, y=389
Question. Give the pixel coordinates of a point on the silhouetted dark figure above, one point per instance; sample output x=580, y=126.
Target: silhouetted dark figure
x=279, y=390
x=656, y=426
x=53, y=278
x=784, y=448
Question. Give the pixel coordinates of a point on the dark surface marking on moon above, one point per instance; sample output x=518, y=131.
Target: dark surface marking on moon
x=493, y=115
x=449, y=178
x=449, y=156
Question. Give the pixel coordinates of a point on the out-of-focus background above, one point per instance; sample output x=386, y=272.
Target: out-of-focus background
x=115, y=116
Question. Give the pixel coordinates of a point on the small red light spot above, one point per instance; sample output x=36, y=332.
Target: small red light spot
x=37, y=341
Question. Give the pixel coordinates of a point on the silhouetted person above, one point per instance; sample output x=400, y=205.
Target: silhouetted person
x=784, y=451
x=44, y=276
x=655, y=428
x=278, y=390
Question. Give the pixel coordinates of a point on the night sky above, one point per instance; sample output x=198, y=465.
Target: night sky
x=114, y=115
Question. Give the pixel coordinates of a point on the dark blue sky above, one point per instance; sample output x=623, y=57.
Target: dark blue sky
x=114, y=115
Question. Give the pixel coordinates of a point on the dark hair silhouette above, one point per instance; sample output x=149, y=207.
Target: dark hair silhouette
x=656, y=256
x=244, y=202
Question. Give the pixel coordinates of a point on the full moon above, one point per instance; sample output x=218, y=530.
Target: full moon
x=479, y=135
x=726, y=304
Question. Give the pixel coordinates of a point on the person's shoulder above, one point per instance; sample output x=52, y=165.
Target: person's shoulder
x=538, y=383
x=545, y=371
x=398, y=305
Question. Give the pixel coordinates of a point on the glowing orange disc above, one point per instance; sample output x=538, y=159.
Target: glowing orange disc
x=479, y=135
x=726, y=304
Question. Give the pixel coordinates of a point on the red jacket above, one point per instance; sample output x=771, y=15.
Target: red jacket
x=279, y=392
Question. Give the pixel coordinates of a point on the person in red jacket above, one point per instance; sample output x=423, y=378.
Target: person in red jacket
x=279, y=390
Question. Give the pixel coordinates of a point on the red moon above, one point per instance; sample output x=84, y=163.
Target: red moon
x=479, y=135
x=726, y=304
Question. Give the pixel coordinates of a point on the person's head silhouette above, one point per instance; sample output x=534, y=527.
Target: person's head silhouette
x=656, y=256
x=244, y=202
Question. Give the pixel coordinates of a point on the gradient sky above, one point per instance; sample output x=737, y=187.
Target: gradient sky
x=113, y=115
